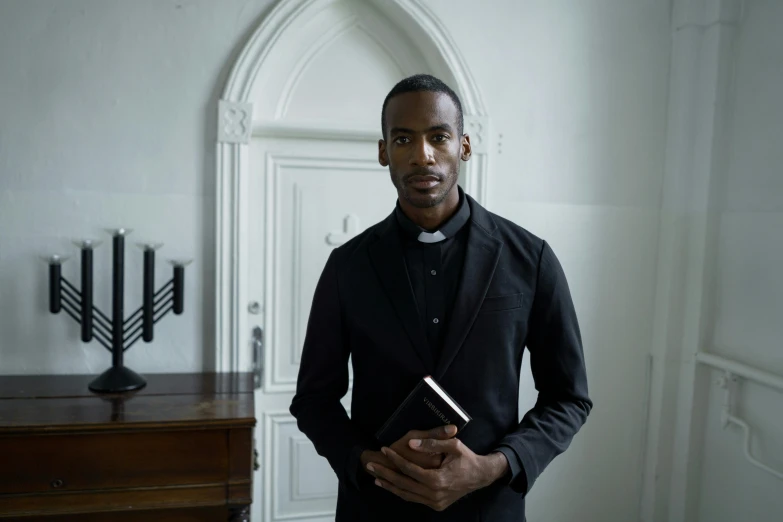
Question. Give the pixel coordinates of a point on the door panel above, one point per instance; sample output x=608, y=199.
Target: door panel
x=312, y=195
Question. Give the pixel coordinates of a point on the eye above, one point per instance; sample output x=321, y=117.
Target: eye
x=440, y=137
x=401, y=140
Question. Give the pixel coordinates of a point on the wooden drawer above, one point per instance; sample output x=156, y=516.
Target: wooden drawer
x=178, y=450
x=74, y=462
x=202, y=514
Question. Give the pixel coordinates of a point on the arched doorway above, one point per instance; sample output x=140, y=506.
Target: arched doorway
x=298, y=125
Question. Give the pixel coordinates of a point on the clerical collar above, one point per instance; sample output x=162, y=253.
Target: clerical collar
x=447, y=230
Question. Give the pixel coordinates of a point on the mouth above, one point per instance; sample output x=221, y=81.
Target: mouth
x=422, y=182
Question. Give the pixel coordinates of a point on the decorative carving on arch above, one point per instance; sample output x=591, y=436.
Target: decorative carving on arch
x=235, y=122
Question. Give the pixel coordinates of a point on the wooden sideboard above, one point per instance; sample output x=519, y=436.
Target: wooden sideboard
x=178, y=450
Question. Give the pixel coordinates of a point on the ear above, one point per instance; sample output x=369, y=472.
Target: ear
x=466, y=148
x=383, y=158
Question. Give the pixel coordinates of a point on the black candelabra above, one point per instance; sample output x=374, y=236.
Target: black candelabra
x=117, y=334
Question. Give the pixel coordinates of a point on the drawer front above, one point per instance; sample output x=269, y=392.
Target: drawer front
x=72, y=462
x=202, y=514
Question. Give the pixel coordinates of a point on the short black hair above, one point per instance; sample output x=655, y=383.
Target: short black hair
x=418, y=83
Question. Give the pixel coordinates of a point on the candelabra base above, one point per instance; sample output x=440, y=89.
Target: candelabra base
x=117, y=379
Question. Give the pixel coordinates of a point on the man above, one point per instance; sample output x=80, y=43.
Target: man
x=441, y=287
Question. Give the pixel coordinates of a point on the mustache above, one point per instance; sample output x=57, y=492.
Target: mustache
x=421, y=173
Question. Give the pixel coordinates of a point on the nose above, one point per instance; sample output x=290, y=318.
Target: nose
x=422, y=154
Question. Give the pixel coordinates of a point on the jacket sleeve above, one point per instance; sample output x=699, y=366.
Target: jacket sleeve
x=323, y=381
x=558, y=367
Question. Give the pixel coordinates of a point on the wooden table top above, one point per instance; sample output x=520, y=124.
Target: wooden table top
x=64, y=402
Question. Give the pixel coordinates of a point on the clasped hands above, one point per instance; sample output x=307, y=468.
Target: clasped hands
x=432, y=467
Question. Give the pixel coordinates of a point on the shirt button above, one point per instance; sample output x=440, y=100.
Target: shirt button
x=435, y=320
x=433, y=272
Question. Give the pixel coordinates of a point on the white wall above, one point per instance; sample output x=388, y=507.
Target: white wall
x=581, y=107
x=579, y=96
x=107, y=113
x=748, y=308
x=108, y=120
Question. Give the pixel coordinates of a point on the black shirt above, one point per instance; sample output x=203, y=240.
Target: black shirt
x=434, y=269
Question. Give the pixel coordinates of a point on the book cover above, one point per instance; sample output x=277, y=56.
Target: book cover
x=427, y=406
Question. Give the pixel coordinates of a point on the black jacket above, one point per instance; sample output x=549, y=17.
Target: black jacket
x=512, y=293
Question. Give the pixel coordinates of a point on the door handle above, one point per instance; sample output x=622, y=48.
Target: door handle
x=258, y=356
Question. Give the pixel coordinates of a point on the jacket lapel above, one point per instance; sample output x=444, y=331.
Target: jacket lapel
x=481, y=259
x=389, y=264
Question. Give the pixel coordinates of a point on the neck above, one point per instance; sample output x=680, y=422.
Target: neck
x=431, y=218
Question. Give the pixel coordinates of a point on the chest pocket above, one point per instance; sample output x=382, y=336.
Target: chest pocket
x=501, y=302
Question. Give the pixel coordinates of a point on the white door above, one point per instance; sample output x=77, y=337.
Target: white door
x=310, y=196
x=312, y=183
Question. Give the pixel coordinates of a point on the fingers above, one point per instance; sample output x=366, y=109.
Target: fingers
x=422, y=459
x=435, y=446
x=441, y=432
x=376, y=457
x=403, y=494
x=408, y=468
x=420, y=486
x=401, y=482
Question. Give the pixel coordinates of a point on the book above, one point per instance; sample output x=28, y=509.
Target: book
x=427, y=406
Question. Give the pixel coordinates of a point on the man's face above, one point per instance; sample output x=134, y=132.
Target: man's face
x=423, y=147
